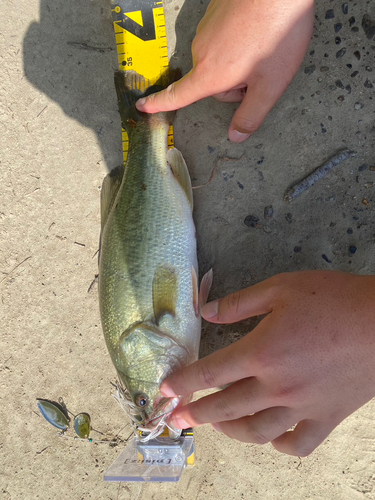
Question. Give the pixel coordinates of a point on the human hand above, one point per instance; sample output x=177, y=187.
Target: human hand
x=310, y=361
x=246, y=51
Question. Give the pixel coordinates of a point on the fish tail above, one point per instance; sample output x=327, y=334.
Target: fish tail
x=131, y=86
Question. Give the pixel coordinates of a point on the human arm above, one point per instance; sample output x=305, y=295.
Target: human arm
x=310, y=361
x=244, y=50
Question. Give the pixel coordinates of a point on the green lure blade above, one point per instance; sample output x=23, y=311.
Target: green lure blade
x=82, y=425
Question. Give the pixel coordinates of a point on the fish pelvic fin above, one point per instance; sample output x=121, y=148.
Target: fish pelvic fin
x=180, y=171
x=164, y=292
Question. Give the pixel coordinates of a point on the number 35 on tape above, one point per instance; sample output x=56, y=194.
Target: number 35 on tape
x=141, y=38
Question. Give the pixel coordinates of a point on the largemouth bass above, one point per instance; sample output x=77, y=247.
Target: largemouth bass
x=148, y=285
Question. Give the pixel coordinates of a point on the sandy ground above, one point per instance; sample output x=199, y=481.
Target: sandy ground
x=60, y=134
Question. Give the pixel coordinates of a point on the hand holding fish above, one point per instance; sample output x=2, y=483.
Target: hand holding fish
x=309, y=362
x=244, y=51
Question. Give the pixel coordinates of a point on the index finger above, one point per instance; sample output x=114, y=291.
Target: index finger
x=219, y=368
x=190, y=88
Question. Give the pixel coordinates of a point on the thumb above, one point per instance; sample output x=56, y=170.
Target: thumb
x=237, y=306
x=177, y=95
x=256, y=105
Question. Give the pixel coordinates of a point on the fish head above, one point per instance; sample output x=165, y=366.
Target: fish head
x=145, y=357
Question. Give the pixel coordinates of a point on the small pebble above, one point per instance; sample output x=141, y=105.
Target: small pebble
x=372, y=168
x=362, y=168
x=345, y=8
x=357, y=54
x=320, y=79
x=251, y=221
x=358, y=106
x=210, y=149
x=368, y=68
x=368, y=84
x=309, y=70
x=354, y=74
x=355, y=29
x=240, y=185
x=340, y=98
x=326, y=55
x=368, y=26
x=339, y=84
x=352, y=249
x=349, y=89
x=351, y=21
x=268, y=211
x=267, y=229
x=326, y=258
x=369, y=184
x=349, y=66
x=340, y=53
x=330, y=14
x=338, y=27
x=350, y=230
x=297, y=249
x=365, y=202
x=288, y=217
x=337, y=40
x=323, y=129
x=324, y=69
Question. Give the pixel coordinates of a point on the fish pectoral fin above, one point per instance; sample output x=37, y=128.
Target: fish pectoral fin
x=180, y=171
x=164, y=292
x=205, y=287
x=111, y=185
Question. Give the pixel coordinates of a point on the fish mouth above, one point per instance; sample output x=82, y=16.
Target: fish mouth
x=158, y=420
x=148, y=427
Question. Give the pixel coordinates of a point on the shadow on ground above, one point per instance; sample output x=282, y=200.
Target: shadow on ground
x=70, y=56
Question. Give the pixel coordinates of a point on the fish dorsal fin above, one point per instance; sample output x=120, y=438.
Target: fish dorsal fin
x=164, y=292
x=181, y=172
x=110, y=187
x=200, y=298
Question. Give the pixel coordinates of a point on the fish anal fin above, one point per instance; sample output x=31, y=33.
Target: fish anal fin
x=164, y=292
x=181, y=172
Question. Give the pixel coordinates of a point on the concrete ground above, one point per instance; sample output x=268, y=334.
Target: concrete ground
x=60, y=134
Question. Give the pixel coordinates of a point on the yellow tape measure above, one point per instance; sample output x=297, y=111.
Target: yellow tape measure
x=141, y=41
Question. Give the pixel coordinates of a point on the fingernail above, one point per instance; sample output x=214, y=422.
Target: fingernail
x=140, y=102
x=167, y=391
x=180, y=423
x=236, y=136
x=210, y=310
x=217, y=427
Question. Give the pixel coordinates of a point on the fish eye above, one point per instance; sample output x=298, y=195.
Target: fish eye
x=142, y=400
